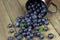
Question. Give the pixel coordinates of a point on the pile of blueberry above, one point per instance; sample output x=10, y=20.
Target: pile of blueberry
x=30, y=25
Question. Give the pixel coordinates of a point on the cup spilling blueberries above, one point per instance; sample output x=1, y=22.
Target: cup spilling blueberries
x=30, y=25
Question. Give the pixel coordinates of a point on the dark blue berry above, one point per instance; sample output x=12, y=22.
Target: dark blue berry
x=31, y=35
x=36, y=28
x=46, y=28
x=11, y=30
x=29, y=29
x=10, y=25
x=24, y=34
x=50, y=36
x=28, y=33
x=19, y=37
x=20, y=31
x=16, y=34
x=46, y=22
x=41, y=36
x=34, y=16
x=17, y=24
x=10, y=38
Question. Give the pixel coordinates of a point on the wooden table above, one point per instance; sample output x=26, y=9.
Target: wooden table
x=10, y=9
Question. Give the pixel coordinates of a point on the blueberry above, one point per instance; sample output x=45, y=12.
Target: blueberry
x=39, y=20
x=10, y=25
x=43, y=19
x=11, y=30
x=38, y=34
x=34, y=9
x=28, y=23
x=29, y=29
x=35, y=12
x=41, y=36
x=28, y=15
x=31, y=14
x=23, y=20
x=17, y=24
x=29, y=11
x=10, y=38
x=16, y=34
x=29, y=7
x=39, y=16
x=25, y=30
x=38, y=5
x=19, y=37
x=34, y=16
x=28, y=37
x=20, y=31
x=35, y=24
x=34, y=20
x=50, y=36
x=24, y=34
x=38, y=10
x=18, y=19
x=46, y=22
x=43, y=6
x=31, y=35
x=28, y=33
x=36, y=28
x=28, y=20
x=43, y=10
x=46, y=28
x=42, y=14
x=32, y=6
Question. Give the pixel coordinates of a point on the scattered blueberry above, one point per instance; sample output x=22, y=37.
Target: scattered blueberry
x=41, y=36
x=11, y=30
x=10, y=25
x=10, y=38
x=50, y=36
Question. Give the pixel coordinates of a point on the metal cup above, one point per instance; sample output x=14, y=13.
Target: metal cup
x=48, y=3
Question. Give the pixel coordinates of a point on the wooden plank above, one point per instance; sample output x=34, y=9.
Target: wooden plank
x=22, y=3
x=4, y=21
x=14, y=9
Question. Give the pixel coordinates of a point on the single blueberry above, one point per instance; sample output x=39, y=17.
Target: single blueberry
x=11, y=30
x=10, y=38
x=19, y=37
x=50, y=36
x=41, y=36
x=10, y=25
x=16, y=34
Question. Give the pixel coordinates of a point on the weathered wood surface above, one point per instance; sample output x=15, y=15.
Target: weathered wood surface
x=10, y=9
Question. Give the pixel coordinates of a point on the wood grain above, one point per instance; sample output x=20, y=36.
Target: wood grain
x=4, y=21
x=14, y=9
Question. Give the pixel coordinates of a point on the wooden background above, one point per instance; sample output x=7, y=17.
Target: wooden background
x=10, y=9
